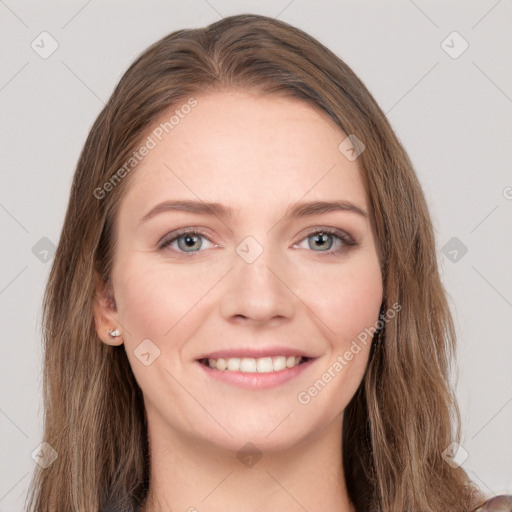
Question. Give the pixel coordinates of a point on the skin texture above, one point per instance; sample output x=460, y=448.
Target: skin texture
x=256, y=155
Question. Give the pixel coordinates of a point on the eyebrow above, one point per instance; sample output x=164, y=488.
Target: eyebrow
x=301, y=209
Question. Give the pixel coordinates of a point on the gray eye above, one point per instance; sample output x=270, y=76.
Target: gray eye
x=320, y=240
x=189, y=241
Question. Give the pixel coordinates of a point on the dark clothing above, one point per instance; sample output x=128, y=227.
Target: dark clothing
x=116, y=506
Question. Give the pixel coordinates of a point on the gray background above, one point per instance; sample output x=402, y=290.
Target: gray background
x=453, y=116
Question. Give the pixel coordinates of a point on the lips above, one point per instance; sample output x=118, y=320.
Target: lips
x=257, y=352
x=256, y=374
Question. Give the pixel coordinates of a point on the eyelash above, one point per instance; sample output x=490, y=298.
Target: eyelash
x=344, y=237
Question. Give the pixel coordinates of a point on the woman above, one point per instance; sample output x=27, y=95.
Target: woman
x=245, y=308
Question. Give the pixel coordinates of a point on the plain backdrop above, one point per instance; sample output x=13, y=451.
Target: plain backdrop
x=440, y=70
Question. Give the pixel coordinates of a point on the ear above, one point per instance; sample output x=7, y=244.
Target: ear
x=105, y=312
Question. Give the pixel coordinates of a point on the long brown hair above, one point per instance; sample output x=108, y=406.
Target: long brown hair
x=403, y=416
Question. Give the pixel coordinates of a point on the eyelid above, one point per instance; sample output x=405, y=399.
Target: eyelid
x=170, y=237
x=347, y=238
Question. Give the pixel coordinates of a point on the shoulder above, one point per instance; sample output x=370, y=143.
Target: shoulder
x=502, y=503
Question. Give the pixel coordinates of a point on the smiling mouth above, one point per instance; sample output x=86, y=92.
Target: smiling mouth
x=254, y=365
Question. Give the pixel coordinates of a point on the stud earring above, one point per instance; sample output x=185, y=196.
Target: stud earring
x=114, y=333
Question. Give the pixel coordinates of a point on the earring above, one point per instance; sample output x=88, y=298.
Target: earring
x=114, y=333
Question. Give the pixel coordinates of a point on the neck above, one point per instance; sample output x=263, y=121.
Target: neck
x=192, y=475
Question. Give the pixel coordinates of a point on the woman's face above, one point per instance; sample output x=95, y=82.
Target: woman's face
x=260, y=283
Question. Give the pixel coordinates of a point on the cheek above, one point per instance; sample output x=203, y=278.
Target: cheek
x=147, y=303
x=347, y=312
x=144, y=302
x=348, y=302
x=157, y=304
x=157, y=301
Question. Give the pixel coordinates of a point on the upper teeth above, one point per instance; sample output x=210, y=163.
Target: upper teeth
x=260, y=365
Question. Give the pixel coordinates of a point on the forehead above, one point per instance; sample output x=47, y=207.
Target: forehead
x=244, y=150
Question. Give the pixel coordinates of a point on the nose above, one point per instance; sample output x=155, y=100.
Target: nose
x=259, y=292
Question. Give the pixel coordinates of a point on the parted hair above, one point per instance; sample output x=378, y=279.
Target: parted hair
x=404, y=415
